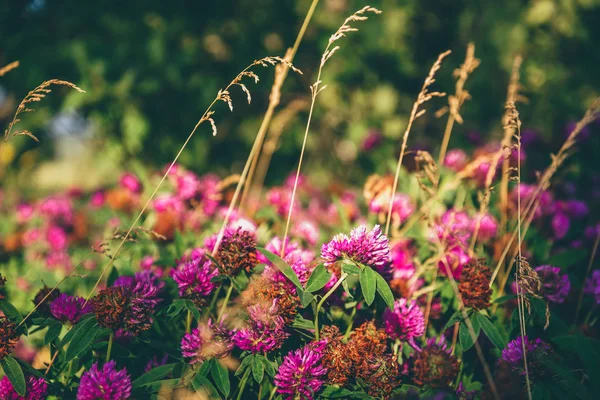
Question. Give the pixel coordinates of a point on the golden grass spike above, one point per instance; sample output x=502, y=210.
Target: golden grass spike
x=423, y=97
x=7, y=68
x=316, y=88
x=459, y=97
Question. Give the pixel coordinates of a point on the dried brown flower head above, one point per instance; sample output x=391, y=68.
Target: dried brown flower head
x=530, y=284
x=380, y=373
x=8, y=336
x=264, y=291
x=118, y=307
x=121, y=199
x=335, y=357
x=237, y=252
x=434, y=366
x=474, y=286
x=43, y=298
x=13, y=242
x=110, y=306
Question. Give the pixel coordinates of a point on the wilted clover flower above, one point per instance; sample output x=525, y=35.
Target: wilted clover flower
x=44, y=297
x=474, y=286
x=335, y=356
x=365, y=247
x=237, y=252
x=66, y=308
x=592, y=285
x=194, y=280
x=434, y=365
x=555, y=287
x=405, y=323
x=301, y=374
x=513, y=354
x=266, y=330
x=206, y=341
x=8, y=336
x=107, y=383
x=37, y=389
x=126, y=309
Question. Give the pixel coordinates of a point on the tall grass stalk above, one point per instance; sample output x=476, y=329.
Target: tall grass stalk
x=423, y=97
x=315, y=89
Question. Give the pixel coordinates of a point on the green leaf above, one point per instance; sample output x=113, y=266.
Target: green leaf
x=15, y=375
x=221, y=377
x=269, y=367
x=258, y=369
x=54, y=331
x=318, y=279
x=505, y=298
x=282, y=266
x=10, y=311
x=368, y=284
x=456, y=317
x=305, y=297
x=464, y=336
x=112, y=276
x=384, y=291
x=334, y=392
x=302, y=323
x=351, y=268
x=245, y=363
x=83, y=336
x=202, y=386
x=153, y=375
x=491, y=331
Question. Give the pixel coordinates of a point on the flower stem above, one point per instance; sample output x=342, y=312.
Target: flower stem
x=188, y=322
x=320, y=304
x=243, y=383
x=224, y=305
x=110, y=344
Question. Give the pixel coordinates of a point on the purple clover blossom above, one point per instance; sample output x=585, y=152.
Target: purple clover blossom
x=266, y=330
x=456, y=159
x=401, y=260
x=146, y=277
x=555, y=287
x=206, y=341
x=488, y=227
x=58, y=209
x=513, y=352
x=455, y=260
x=454, y=226
x=37, y=389
x=364, y=247
x=194, y=278
x=592, y=285
x=131, y=182
x=187, y=185
x=66, y=308
x=301, y=374
x=107, y=383
x=373, y=139
x=405, y=323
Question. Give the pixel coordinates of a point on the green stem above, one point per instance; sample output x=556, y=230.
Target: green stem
x=273, y=393
x=320, y=304
x=224, y=306
x=188, y=322
x=243, y=383
x=350, y=324
x=110, y=344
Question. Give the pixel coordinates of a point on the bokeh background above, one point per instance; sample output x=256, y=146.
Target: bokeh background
x=151, y=67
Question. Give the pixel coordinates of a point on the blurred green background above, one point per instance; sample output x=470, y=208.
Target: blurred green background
x=151, y=67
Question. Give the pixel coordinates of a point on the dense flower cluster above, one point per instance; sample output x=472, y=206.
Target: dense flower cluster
x=474, y=286
x=206, y=341
x=434, y=365
x=363, y=247
x=301, y=374
x=107, y=383
x=66, y=308
x=194, y=279
x=36, y=389
x=535, y=351
x=406, y=322
x=237, y=252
